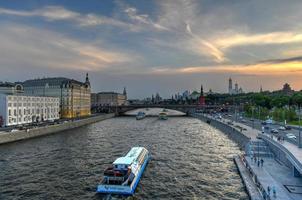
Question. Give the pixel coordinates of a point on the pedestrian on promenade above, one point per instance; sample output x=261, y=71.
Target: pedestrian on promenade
x=255, y=159
x=268, y=190
x=274, y=191
x=261, y=161
x=258, y=163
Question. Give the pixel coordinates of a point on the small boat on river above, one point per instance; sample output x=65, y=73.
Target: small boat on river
x=162, y=116
x=140, y=115
x=125, y=173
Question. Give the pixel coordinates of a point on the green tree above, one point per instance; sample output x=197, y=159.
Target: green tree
x=297, y=99
x=280, y=101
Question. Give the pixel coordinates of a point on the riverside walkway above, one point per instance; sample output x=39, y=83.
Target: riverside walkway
x=293, y=150
x=273, y=174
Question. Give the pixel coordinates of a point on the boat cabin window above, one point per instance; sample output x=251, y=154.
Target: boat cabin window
x=121, y=166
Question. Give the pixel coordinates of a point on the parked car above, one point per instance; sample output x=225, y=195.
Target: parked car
x=14, y=130
x=269, y=121
x=263, y=123
x=230, y=123
x=291, y=136
x=288, y=128
x=282, y=128
x=275, y=131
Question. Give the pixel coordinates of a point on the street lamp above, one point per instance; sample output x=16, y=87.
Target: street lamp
x=299, y=141
x=253, y=116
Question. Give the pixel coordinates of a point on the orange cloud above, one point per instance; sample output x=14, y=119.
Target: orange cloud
x=257, y=39
x=264, y=68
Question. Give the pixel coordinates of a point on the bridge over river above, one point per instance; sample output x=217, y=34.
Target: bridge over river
x=185, y=108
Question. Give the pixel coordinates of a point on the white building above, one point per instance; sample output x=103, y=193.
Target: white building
x=21, y=109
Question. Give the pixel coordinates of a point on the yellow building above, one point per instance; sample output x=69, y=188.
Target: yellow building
x=74, y=95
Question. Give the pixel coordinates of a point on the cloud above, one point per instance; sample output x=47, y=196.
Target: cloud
x=292, y=52
x=238, y=39
x=202, y=46
x=289, y=66
x=132, y=13
x=23, y=46
x=58, y=13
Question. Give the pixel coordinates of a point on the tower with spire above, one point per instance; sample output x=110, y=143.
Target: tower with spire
x=201, y=97
x=125, y=92
x=87, y=80
x=201, y=90
x=230, y=86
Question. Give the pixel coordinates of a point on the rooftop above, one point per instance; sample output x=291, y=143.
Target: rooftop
x=130, y=157
x=50, y=81
x=7, y=84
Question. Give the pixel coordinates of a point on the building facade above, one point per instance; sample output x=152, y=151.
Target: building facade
x=74, y=96
x=10, y=88
x=108, y=99
x=21, y=109
x=287, y=90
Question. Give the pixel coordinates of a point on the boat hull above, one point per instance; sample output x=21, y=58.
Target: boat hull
x=123, y=190
x=140, y=117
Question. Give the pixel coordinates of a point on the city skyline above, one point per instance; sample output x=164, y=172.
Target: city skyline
x=153, y=46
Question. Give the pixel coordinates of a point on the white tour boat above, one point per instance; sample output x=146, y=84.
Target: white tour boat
x=162, y=116
x=125, y=173
x=140, y=115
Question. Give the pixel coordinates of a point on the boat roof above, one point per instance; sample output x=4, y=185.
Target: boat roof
x=163, y=113
x=130, y=157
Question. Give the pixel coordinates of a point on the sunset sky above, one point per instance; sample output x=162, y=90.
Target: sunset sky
x=164, y=46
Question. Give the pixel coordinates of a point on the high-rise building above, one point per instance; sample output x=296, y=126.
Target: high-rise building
x=74, y=95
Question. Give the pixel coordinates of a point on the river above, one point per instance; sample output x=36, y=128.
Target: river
x=190, y=160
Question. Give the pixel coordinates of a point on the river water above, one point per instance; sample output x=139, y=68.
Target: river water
x=190, y=160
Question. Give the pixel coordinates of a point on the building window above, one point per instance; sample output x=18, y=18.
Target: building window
x=9, y=112
x=15, y=112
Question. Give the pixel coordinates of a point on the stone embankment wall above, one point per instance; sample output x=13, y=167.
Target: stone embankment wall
x=232, y=133
x=6, y=137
